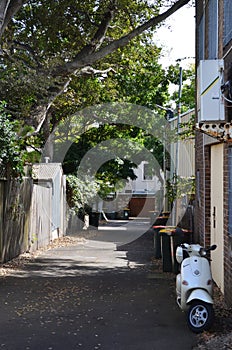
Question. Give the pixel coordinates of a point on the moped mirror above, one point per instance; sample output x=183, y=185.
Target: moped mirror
x=213, y=247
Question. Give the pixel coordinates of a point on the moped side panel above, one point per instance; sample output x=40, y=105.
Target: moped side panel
x=195, y=274
x=200, y=294
x=196, y=271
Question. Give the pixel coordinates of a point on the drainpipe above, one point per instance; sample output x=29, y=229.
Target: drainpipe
x=174, y=219
x=178, y=121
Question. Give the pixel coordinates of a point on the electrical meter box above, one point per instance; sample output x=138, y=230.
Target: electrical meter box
x=210, y=102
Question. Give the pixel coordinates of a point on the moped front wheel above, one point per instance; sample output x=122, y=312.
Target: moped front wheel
x=200, y=316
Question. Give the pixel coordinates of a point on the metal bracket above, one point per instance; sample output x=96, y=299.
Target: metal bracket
x=222, y=131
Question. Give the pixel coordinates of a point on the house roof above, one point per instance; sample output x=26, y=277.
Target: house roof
x=45, y=171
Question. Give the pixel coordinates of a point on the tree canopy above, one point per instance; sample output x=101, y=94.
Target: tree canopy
x=11, y=160
x=45, y=45
x=58, y=57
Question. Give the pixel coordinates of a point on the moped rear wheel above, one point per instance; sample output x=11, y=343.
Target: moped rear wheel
x=200, y=316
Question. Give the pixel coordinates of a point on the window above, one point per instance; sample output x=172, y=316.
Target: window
x=227, y=35
x=213, y=29
x=147, y=172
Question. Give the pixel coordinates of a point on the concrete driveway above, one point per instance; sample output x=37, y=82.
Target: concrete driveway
x=97, y=293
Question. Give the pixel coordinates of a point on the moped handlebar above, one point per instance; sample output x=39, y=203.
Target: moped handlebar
x=212, y=247
x=184, y=245
x=196, y=249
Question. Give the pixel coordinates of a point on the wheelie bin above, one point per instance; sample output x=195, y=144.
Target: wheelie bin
x=157, y=241
x=94, y=219
x=171, y=237
x=179, y=236
x=166, y=248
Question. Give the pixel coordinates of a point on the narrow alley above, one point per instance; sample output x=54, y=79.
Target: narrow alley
x=96, y=293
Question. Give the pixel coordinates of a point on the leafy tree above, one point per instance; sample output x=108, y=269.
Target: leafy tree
x=110, y=171
x=145, y=82
x=58, y=57
x=46, y=44
x=81, y=191
x=8, y=8
x=179, y=186
x=188, y=88
x=10, y=149
x=141, y=79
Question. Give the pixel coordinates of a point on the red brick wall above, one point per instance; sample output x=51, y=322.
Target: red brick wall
x=227, y=239
x=202, y=207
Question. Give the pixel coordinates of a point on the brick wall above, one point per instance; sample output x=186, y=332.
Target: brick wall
x=202, y=207
x=227, y=239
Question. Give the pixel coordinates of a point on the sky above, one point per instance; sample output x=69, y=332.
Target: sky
x=177, y=37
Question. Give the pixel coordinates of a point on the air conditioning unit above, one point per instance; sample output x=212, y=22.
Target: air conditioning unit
x=210, y=103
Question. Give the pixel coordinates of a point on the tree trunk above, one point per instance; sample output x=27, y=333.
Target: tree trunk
x=8, y=8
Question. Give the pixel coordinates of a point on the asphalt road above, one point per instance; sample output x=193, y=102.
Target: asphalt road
x=99, y=293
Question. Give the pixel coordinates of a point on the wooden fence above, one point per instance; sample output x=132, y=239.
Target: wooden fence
x=26, y=216
x=15, y=213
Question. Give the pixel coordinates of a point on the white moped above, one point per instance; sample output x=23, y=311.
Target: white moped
x=194, y=286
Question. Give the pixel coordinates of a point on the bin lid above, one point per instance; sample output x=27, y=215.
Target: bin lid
x=165, y=227
x=185, y=230
x=158, y=226
x=169, y=230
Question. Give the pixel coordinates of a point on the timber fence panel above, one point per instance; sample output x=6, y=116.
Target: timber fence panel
x=40, y=217
x=15, y=225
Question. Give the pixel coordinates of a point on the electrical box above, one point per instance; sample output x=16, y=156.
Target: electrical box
x=210, y=102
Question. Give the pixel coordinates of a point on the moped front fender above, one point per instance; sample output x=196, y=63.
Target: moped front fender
x=200, y=294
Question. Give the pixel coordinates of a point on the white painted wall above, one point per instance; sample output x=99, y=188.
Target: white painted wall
x=141, y=185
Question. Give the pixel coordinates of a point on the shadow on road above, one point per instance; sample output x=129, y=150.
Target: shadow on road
x=139, y=251
x=94, y=294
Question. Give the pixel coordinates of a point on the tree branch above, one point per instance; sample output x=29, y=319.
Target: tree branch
x=3, y=10
x=39, y=114
x=90, y=70
x=88, y=55
x=8, y=8
x=28, y=49
x=97, y=39
x=102, y=29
